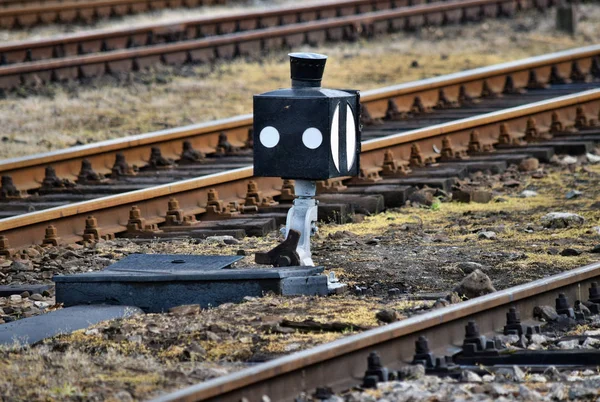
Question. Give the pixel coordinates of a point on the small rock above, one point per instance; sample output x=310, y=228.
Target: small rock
x=591, y=343
x=596, y=249
x=358, y=218
x=21, y=265
x=487, y=235
x=570, y=252
x=15, y=298
x=579, y=306
x=537, y=378
x=553, y=374
x=387, y=315
x=560, y=220
x=211, y=336
x=475, y=284
x=439, y=303
x=529, y=165
x=135, y=338
x=414, y=64
x=468, y=267
x=592, y=158
x=292, y=347
x=538, y=339
x=469, y=376
x=393, y=292
x=92, y=332
x=527, y=394
x=518, y=374
x=423, y=196
x=25, y=294
x=546, y=313
x=222, y=239
x=241, y=252
x=488, y=378
x=528, y=194
x=411, y=372
x=41, y=304
x=558, y=392
x=572, y=344
x=568, y=160
x=188, y=309
x=573, y=194
x=372, y=242
x=36, y=297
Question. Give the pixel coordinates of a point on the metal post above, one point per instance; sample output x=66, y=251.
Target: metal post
x=302, y=217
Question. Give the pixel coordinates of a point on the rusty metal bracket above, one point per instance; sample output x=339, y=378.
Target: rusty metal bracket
x=284, y=255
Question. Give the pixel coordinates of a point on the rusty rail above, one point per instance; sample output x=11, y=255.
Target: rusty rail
x=342, y=363
x=254, y=42
x=386, y=156
x=419, y=96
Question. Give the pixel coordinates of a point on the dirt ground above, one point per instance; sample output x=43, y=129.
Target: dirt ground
x=391, y=262
x=59, y=116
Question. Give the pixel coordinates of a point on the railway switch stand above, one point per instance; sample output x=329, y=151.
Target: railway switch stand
x=305, y=133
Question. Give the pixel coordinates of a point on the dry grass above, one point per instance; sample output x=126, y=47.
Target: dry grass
x=111, y=108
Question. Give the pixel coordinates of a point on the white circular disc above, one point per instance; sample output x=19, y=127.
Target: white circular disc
x=269, y=137
x=312, y=138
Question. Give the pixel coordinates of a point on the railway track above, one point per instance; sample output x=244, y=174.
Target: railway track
x=56, y=191
x=25, y=14
x=391, y=103
x=392, y=149
x=394, y=162
x=116, y=39
x=342, y=364
x=206, y=40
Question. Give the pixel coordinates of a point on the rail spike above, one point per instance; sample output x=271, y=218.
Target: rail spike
x=416, y=156
x=5, y=249
x=393, y=113
x=190, y=155
x=175, y=215
x=392, y=166
x=8, y=188
x=121, y=167
x=474, y=143
x=91, y=233
x=51, y=237
x=556, y=127
x=137, y=224
x=217, y=209
x=87, y=173
x=157, y=161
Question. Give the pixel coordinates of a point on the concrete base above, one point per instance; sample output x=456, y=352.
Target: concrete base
x=156, y=283
x=28, y=331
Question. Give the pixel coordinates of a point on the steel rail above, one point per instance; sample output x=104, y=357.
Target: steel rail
x=28, y=172
x=112, y=212
x=342, y=363
x=251, y=43
x=110, y=39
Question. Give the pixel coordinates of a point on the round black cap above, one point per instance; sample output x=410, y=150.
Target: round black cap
x=307, y=66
